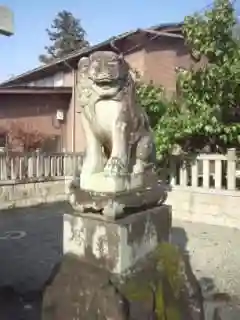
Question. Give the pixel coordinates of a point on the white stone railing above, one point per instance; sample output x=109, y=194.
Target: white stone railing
x=16, y=167
x=204, y=188
x=208, y=171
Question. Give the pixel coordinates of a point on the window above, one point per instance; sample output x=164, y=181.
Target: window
x=31, y=84
x=44, y=82
x=58, y=79
x=40, y=83
x=3, y=141
x=47, y=82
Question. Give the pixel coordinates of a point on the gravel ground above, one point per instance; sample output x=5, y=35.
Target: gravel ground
x=27, y=262
x=214, y=256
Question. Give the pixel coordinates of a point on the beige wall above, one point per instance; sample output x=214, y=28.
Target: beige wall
x=59, y=79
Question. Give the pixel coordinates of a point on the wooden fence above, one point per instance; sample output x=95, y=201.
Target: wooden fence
x=215, y=171
x=23, y=167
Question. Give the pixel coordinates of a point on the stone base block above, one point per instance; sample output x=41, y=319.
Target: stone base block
x=115, y=205
x=116, y=245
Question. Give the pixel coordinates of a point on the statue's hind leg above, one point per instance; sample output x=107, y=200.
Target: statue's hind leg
x=145, y=153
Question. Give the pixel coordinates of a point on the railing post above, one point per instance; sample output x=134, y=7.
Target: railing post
x=194, y=173
x=3, y=167
x=31, y=165
x=65, y=165
x=183, y=173
x=46, y=166
x=172, y=170
x=218, y=174
x=38, y=164
x=13, y=168
x=231, y=169
x=206, y=173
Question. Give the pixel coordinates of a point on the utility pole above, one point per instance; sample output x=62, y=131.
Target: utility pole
x=6, y=21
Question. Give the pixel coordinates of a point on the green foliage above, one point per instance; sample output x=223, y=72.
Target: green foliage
x=153, y=99
x=206, y=112
x=236, y=33
x=212, y=94
x=66, y=35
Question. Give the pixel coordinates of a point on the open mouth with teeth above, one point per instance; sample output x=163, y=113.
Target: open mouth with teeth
x=105, y=82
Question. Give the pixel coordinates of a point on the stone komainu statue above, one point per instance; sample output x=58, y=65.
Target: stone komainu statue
x=119, y=139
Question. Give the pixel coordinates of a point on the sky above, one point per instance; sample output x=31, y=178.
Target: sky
x=101, y=20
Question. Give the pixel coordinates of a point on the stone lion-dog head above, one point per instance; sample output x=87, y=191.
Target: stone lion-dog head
x=107, y=71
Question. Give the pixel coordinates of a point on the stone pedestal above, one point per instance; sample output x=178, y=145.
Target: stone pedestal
x=103, y=273
x=116, y=245
x=98, y=255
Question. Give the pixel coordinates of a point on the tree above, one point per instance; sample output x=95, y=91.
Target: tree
x=25, y=137
x=153, y=100
x=212, y=93
x=236, y=32
x=206, y=114
x=66, y=35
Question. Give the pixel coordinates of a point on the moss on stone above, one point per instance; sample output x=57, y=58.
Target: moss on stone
x=159, y=282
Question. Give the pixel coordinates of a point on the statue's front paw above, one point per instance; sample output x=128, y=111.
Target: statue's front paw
x=115, y=166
